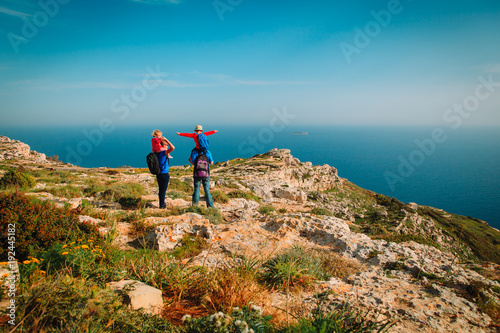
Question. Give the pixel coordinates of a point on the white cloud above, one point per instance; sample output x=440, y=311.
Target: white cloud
x=223, y=79
x=177, y=84
x=7, y=11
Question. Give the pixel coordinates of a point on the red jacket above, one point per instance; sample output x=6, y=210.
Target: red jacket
x=156, y=143
x=195, y=136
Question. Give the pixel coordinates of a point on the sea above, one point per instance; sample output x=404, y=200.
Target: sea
x=457, y=170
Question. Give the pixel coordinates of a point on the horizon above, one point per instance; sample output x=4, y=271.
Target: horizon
x=134, y=62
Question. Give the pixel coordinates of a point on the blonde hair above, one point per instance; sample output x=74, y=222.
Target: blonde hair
x=156, y=133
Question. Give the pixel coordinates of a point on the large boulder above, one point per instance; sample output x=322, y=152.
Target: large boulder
x=139, y=295
x=166, y=237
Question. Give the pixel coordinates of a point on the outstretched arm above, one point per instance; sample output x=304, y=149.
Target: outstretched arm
x=189, y=135
x=210, y=132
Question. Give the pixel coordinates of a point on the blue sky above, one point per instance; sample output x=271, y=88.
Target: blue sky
x=73, y=62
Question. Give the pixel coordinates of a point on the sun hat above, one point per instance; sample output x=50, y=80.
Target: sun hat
x=198, y=128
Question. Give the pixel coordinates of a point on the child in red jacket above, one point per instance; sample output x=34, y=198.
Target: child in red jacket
x=197, y=130
x=156, y=142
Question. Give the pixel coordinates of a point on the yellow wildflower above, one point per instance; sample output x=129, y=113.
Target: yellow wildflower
x=5, y=274
x=27, y=262
x=4, y=263
x=85, y=247
x=42, y=272
x=64, y=246
x=64, y=253
x=77, y=248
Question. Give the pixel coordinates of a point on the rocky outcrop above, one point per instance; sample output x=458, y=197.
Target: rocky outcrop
x=17, y=150
x=138, y=295
x=277, y=174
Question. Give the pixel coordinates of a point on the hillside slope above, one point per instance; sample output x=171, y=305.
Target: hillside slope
x=422, y=268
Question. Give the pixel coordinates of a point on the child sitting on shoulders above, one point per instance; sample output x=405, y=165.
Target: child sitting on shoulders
x=197, y=131
x=156, y=142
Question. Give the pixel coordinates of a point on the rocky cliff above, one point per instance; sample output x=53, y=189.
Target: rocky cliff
x=423, y=268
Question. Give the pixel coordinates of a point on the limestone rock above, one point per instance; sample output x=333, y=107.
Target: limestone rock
x=291, y=194
x=166, y=237
x=139, y=295
x=14, y=149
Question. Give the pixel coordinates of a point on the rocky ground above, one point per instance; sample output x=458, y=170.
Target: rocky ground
x=420, y=287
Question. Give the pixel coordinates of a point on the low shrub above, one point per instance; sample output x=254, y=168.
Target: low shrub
x=132, y=202
x=66, y=191
x=212, y=214
x=190, y=246
x=178, y=185
x=219, y=197
x=53, y=176
x=175, y=194
x=244, y=195
x=37, y=225
x=293, y=267
x=321, y=211
x=266, y=210
x=17, y=179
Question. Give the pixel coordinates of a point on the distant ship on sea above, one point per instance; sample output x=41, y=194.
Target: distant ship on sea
x=300, y=133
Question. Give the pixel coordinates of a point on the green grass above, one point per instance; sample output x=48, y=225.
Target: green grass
x=293, y=267
x=266, y=209
x=219, y=196
x=321, y=211
x=243, y=194
x=178, y=185
x=18, y=179
x=66, y=191
x=482, y=239
x=190, y=246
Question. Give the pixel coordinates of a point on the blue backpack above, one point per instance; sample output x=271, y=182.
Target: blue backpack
x=203, y=141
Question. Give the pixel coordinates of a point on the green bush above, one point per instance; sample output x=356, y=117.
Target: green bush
x=190, y=247
x=293, y=267
x=37, y=225
x=53, y=176
x=219, y=197
x=178, y=185
x=66, y=191
x=321, y=211
x=243, y=194
x=212, y=214
x=132, y=202
x=266, y=210
x=17, y=179
x=175, y=194
x=128, y=189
